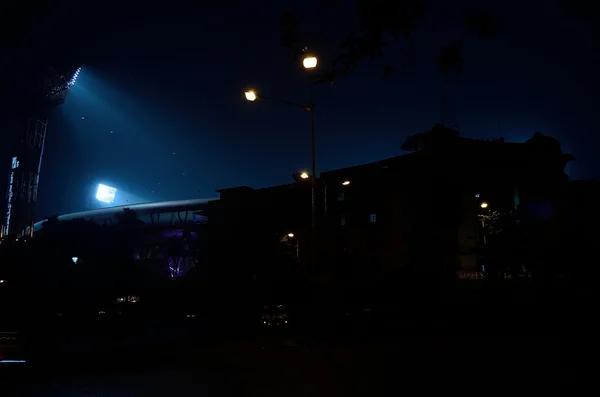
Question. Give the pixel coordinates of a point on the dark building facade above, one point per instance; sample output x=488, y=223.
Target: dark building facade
x=419, y=210
x=425, y=208
x=579, y=226
x=268, y=228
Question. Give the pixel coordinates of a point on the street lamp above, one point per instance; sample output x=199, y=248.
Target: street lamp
x=346, y=183
x=250, y=95
x=291, y=236
x=484, y=205
x=309, y=62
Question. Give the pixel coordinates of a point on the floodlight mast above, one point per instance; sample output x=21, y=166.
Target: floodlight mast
x=24, y=175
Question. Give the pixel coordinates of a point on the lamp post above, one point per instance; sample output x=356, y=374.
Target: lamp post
x=309, y=62
x=484, y=206
x=297, y=245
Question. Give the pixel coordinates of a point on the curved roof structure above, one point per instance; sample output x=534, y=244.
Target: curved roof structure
x=157, y=213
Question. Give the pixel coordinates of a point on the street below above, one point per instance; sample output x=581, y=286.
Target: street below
x=284, y=365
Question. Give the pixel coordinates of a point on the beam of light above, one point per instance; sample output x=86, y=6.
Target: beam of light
x=12, y=361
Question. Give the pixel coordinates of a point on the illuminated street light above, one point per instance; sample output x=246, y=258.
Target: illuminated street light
x=484, y=205
x=250, y=95
x=346, y=183
x=309, y=62
x=291, y=235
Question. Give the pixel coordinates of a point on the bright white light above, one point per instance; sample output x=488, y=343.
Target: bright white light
x=484, y=205
x=290, y=235
x=250, y=95
x=346, y=183
x=106, y=194
x=74, y=259
x=304, y=175
x=310, y=62
x=74, y=78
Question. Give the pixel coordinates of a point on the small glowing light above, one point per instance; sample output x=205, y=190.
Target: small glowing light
x=250, y=95
x=484, y=205
x=346, y=183
x=286, y=321
x=1, y=281
x=264, y=322
x=74, y=259
x=12, y=361
x=304, y=175
x=82, y=118
x=310, y=62
x=290, y=235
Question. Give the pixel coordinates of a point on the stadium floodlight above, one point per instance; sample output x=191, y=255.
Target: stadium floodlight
x=58, y=83
x=74, y=78
x=106, y=194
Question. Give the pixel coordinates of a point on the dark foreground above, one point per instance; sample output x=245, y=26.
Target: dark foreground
x=506, y=348
x=189, y=363
x=473, y=364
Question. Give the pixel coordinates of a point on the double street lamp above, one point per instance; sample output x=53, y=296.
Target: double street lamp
x=309, y=62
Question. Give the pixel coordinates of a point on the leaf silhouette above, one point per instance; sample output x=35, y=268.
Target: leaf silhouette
x=450, y=58
x=388, y=71
x=288, y=26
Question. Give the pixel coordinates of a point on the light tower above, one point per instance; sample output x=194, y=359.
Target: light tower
x=26, y=162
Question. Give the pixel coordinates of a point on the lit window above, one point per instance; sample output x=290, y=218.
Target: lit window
x=342, y=220
x=476, y=195
x=341, y=196
x=373, y=218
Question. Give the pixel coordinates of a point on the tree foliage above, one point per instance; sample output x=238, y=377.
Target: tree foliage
x=438, y=136
x=383, y=25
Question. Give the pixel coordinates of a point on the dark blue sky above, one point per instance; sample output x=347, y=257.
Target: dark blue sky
x=171, y=91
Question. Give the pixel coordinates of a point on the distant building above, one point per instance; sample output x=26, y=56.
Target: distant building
x=280, y=213
x=580, y=231
x=423, y=207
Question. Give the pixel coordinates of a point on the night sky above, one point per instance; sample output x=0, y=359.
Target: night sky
x=158, y=110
